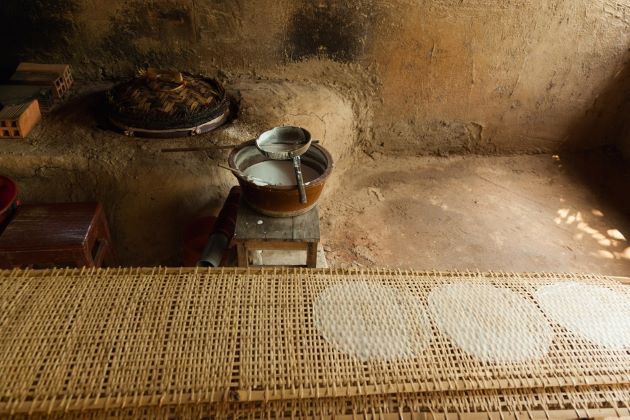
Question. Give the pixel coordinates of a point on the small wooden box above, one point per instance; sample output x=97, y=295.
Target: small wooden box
x=57, y=235
x=16, y=121
x=58, y=76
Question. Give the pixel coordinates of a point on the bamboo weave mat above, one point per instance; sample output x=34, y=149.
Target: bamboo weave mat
x=161, y=342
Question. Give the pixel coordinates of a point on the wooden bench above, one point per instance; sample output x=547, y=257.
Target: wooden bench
x=61, y=234
x=255, y=231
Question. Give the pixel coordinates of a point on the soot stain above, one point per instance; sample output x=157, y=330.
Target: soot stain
x=39, y=28
x=164, y=22
x=175, y=15
x=332, y=28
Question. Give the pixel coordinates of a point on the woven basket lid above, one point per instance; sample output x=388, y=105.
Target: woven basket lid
x=158, y=100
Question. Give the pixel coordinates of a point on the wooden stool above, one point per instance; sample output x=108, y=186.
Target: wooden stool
x=63, y=234
x=276, y=233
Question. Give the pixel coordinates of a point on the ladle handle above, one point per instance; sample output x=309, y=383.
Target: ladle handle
x=197, y=149
x=236, y=171
x=297, y=165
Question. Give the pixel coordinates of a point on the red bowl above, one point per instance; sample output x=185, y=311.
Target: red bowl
x=8, y=197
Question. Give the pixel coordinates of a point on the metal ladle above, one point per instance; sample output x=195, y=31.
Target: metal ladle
x=287, y=143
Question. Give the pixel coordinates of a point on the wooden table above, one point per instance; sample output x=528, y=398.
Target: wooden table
x=61, y=234
x=255, y=231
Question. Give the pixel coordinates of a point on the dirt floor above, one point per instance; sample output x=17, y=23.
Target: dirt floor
x=517, y=213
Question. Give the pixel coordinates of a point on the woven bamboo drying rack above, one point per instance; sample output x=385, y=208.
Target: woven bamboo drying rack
x=189, y=342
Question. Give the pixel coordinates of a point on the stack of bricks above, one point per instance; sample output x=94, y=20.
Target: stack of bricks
x=56, y=76
x=33, y=90
x=17, y=120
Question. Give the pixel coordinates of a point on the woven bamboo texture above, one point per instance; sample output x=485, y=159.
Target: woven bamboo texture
x=182, y=342
x=147, y=104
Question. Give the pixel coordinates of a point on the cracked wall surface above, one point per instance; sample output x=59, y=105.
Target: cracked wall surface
x=444, y=76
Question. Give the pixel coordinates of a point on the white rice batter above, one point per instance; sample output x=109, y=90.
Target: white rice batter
x=280, y=172
x=596, y=313
x=491, y=323
x=371, y=321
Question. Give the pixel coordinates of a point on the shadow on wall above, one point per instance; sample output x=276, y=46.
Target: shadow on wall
x=607, y=120
x=607, y=176
x=139, y=33
x=604, y=171
x=34, y=26
x=329, y=28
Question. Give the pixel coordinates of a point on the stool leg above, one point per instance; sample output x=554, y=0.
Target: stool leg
x=109, y=257
x=86, y=259
x=102, y=252
x=241, y=252
x=311, y=255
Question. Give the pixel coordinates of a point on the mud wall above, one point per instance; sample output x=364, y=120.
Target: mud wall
x=619, y=123
x=436, y=75
x=624, y=143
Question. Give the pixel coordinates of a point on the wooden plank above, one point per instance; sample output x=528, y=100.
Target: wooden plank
x=251, y=225
x=311, y=255
x=276, y=245
x=241, y=253
x=275, y=229
x=306, y=226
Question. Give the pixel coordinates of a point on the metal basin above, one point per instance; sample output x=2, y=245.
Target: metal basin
x=280, y=200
